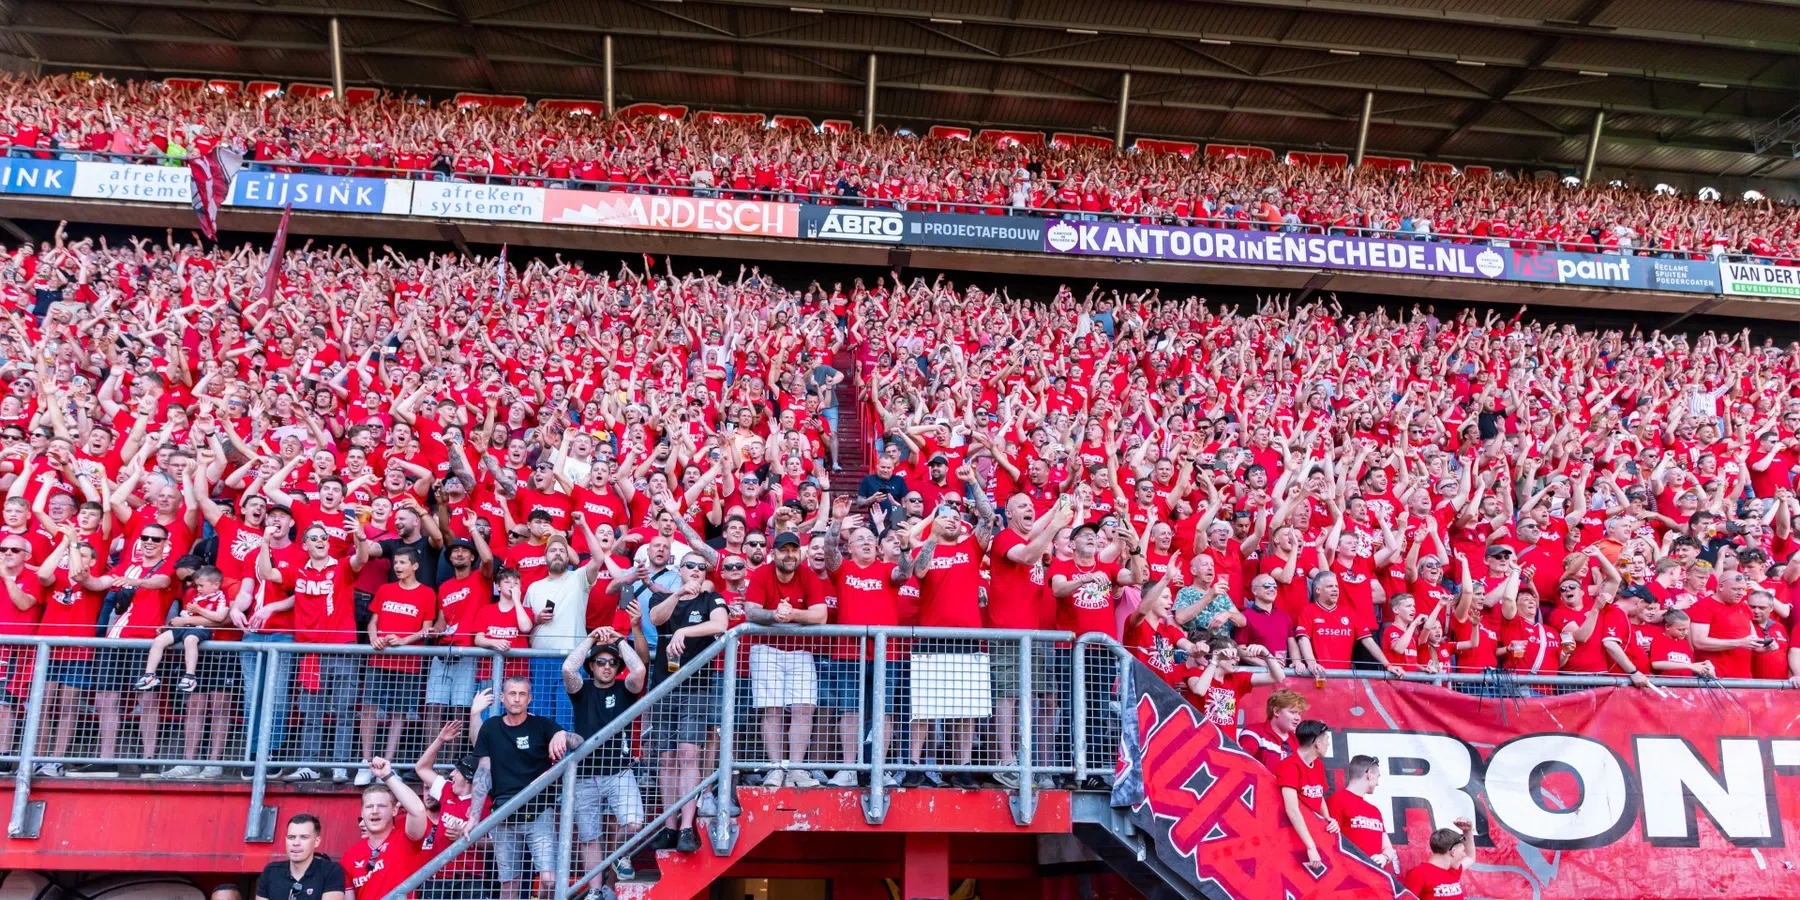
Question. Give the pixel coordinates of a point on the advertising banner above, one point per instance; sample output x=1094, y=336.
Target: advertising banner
x=1611, y=270
x=932, y=229
x=1274, y=248
x=46, y=177
x=482, y=202
x=1758, y=280
x=1215, y=814
x=854, y=223
x=274, y=190
x=150, y=184
x=703, y=215
x=1602, y=794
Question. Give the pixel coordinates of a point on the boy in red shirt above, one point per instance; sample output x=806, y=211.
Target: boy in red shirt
x=402, y=612
x=1357, y=818
x=1301, y=778
x=1452, y=851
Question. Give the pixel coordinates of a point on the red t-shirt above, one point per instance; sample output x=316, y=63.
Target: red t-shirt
x=1017, y=595
x=459, y=599
x=1333, y=632
x=1308, y=780
x=1358, y=820
x=324, y=610
x=949, y=594
x=401, y=611
x=1090, y=608
x=1223, y=697
x=399, y=857
x=1154, y=646
x=1725, y=621
x=1429, y=881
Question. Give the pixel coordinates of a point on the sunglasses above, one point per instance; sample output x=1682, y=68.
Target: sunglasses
x=757, y=544
x=146, y=538
x=12, y=550
x=607, y=661
x=695, y=567
x=731, y=567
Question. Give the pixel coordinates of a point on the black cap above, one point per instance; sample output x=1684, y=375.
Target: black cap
x=938, y=458
x=786, y=538
x=467, y=765
x=279, y=507
x=463, y=543
x=1498, y=549
x=611, y=650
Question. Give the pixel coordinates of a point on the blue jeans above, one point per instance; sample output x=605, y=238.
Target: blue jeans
x=251, y=664
x=548, y=696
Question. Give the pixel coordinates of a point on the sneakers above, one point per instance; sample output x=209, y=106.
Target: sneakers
x=773, y=779
x=339, y=776
x=50, y=770
x=913, y=779
x=708, y=805
x=801, y=778
x=364, y=777
x=665, y=840
x=688, y=842
x=844, y=778
x=301, y=773
x=148, y=683
x=187, y=684
x=934, y=779
x=91, y=770
x=128, y=770
x=1007, y=778
x=211, y=772
x=182, y=773
x=1044, y=782
x=965, y=780
x=624, y=870
x=889, y=779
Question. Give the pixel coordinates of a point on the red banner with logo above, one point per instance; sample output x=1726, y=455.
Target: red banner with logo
x=1607, y=793
x=655, y=212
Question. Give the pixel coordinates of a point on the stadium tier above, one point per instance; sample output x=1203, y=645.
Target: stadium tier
x=619, y=582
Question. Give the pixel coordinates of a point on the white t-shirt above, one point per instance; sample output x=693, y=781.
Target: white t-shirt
x=568, y=623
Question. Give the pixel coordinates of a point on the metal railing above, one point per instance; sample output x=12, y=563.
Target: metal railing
x=725, y=190
x=874, y=709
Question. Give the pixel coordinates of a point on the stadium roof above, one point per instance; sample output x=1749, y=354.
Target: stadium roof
x=1686, y=84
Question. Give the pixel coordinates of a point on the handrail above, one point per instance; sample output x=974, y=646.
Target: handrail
x=557, y=771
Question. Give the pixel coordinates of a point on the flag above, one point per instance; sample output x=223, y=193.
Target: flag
x=277, y=250
x=212, y=174
x=500, y=276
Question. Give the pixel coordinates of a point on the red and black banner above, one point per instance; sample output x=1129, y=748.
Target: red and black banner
x=1215, y=814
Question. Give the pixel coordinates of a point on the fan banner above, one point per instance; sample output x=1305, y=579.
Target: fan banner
x=1214, y=812
x=1602, y=794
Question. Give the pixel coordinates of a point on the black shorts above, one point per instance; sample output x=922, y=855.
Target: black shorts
x=117, y=669
x=687, y=714
x=218, y=671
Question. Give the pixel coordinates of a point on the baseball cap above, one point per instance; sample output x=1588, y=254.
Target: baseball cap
x=787, y=538
x=1499, y=550
x=938, y=458
x=463, y=543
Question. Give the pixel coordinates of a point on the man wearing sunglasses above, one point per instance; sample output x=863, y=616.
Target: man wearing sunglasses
x=143, y=586
x=306, y=874
x=613, y=679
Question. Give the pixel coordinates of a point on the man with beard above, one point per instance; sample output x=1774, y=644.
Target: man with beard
x=558, y=605
x=782, y=678
x=1019, y=598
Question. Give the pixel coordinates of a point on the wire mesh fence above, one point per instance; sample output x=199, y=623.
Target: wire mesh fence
x=650, y=751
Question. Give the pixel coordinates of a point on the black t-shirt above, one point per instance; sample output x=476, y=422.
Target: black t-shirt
x=692, y=611
x=428, y=558
x=517, y=754
x=595, y=708
x=322, y=875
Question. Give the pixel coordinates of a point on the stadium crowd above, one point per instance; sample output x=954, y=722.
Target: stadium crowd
x=401, y=136
x=613, y=467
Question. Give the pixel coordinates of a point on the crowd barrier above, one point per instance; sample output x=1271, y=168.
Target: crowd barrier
x=792, y=215
x=886, y=708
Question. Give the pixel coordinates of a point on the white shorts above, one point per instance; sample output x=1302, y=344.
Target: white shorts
x=617, y=794
x=782, y=677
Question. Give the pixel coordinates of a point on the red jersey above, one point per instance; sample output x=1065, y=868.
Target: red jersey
x=1429, y=882
x=400, y=612
x=1724, y=621
x=1308, y=779
x=374, y=871
x=1358, y=820
x=949, y=595
x=1017, y=593
x=324, y=610
x=1090, y=608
